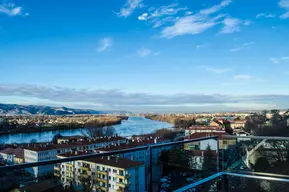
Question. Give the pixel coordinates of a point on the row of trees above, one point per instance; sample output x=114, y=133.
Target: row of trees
x=260, y=125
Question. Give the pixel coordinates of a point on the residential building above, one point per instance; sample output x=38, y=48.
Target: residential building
x=43, y=152
x=238, y=124
x=65, y=139
x=223, y=142
x=12, y=156
x=105, y=174
x=203, y=129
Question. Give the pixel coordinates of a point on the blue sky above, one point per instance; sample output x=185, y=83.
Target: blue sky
x=146, y=55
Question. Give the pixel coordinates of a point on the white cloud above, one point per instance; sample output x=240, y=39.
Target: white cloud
x=265, y=15
x=216, y=8
x=104, y=44
x=274, y=60
x=285, y=58
x=12, y=10
x=129, y=7
x=231, y=25
x=243, y=77
x=143, y=16
x=201, y=46
x=194, y=24
x=162, y=15
x=143, y=52
x=202, y=21
x=244, y=46
x=277, y=60
x=236, y=49
x=284, y=4
x=217, y=70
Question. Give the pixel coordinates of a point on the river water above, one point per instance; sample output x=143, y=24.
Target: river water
x=132, y=126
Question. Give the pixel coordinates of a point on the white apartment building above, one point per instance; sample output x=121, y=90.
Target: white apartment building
x=44, y=152
x=105, y=174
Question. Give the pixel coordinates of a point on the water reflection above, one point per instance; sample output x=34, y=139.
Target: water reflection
x=134, y=125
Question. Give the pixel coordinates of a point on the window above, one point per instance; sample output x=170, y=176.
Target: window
x=121, y=172
x=114, y=171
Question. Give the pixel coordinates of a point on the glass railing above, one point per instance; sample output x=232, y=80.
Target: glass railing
x=235, y=182
x=183, y=163
x=257, y=154
x=134, y=169
x=203, y=164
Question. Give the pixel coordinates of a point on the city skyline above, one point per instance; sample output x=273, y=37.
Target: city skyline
x=143, y=55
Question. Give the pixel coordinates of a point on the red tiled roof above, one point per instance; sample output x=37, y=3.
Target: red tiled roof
x=205, y=128
x=208, y=134
x=109, y=161
x=131, y=145
x=43, y=147
x=18, y=152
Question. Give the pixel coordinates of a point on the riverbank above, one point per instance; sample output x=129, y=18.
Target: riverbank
x=179, y=121
x=132, y=126
x=11, y=126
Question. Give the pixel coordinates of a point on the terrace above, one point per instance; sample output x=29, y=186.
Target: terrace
x=251, y=163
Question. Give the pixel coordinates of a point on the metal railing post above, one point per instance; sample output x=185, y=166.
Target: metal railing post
x=218, y=155
x=150, y=180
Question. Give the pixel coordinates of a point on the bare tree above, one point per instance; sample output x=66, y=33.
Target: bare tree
x=94, y=132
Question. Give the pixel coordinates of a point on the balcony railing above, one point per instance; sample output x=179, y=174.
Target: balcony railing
x=180, y=166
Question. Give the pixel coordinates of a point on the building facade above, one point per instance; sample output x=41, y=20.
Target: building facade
x=105, y=174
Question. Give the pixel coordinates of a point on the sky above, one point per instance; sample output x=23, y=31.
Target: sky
x=145, y=55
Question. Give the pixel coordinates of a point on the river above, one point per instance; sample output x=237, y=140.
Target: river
x=132, y=126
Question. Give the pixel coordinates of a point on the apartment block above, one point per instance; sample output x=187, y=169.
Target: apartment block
x=105, y=174
x=48, y=151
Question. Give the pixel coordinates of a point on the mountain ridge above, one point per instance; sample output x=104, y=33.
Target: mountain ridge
x=15, y=109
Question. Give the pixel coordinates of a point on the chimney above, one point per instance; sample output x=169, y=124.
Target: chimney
x=108, y=157
x=155, y=140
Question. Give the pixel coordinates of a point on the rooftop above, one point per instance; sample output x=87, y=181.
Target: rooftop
x=208, y=134
x=132, y=144
x=206, y=128
x=109, y=160
x=17, y=152
x=51, y=146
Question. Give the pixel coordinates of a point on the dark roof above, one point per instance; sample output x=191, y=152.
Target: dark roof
x=205, y=128
x=18, y=152
x=131, y=144
x=209, y=134
x=72, y=137
x=115, y=162
x=109, y=161
x=45, y=147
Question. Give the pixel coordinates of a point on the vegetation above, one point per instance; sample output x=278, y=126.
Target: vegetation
x=22, y=124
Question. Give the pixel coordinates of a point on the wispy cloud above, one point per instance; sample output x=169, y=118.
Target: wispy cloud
x=265, y=15
x=12, y=10
x=193, y=24
x=232, y=25
x=274, y=60
x=217, y=70
x=277, y=60
x=284, y=4
x=203, y=20
x=216, y=8
x=162, y=15
x=244, y=46
x=243, y=77
x=200, y=46
x=143, y=52
x=104, y=44
x=129, y=7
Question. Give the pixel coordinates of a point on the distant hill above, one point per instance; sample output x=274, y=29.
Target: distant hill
x=13, y=109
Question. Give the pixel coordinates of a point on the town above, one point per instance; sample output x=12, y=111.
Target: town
x=173, y=166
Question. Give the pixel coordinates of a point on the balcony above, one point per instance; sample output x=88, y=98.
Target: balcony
x=250, y=163
x=101, y=180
